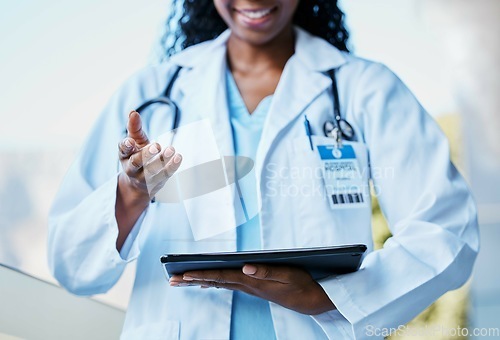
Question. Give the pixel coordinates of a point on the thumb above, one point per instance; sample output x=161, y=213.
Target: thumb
x=135, y=130
x=265, y=272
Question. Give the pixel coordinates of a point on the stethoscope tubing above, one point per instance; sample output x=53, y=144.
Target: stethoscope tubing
x=338, y=124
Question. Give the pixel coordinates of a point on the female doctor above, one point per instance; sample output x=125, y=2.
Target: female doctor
x=267, y=69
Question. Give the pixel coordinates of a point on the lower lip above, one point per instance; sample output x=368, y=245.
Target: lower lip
x=256, y=23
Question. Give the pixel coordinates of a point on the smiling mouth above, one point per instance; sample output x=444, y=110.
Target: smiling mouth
x=255, y=14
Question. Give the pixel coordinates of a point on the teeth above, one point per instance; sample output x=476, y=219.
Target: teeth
x=256, y=14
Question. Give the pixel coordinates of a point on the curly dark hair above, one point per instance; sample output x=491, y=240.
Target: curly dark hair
x=198, y=21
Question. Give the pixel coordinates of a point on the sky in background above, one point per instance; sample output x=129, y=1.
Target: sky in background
x=60, y=61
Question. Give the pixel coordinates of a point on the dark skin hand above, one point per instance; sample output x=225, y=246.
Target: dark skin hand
x=133, y=195
x=290, y=287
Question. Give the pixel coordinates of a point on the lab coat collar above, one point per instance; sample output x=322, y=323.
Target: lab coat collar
x=315, y=53
x=204, y=83
x=197, y=54
x=203, y=86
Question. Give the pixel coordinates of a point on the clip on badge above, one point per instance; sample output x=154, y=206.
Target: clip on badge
x=342, y=176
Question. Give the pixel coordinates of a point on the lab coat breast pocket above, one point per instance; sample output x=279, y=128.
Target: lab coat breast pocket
x=316, y=223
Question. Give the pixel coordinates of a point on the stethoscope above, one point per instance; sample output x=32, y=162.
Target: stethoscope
x=338, y=128
x=165, y=99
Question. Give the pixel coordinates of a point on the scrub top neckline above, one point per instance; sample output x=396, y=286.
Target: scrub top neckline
x=241, y=111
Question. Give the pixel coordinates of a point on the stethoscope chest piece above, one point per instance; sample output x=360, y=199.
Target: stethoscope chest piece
x=331, y=130
x=346, y=129
x=328, y=129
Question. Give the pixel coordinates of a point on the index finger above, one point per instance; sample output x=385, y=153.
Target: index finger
x=135, y=131
x=126, y=148
x=217, y=275
x=283, y=274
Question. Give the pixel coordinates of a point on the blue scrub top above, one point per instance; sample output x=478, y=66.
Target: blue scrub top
x=251, y=316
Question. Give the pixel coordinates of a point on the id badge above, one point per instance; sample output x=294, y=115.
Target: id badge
x=342, y=176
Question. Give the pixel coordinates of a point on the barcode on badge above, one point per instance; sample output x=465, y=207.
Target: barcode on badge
x=347, y=198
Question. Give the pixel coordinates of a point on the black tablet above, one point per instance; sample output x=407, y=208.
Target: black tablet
x=319, y=262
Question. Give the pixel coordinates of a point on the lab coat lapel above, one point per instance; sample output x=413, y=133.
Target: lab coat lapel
x=298, y=86
x=302, y=80
x=203, y=88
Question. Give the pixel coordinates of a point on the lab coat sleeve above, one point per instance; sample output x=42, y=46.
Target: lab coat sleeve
x=83, y=230
x=427, y=204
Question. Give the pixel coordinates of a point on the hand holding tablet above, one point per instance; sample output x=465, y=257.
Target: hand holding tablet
x=319, y=262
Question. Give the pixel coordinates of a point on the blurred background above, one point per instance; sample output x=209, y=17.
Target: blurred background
x=61, y=61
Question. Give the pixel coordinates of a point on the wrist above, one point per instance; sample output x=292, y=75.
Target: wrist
x=321, y=303
x=130, y=193
x=130, y=203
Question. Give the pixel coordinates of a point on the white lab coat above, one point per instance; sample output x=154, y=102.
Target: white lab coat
x=426, y=202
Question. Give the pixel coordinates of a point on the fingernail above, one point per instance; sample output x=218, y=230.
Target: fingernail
x=177, y=158
x=168, y=152
x=188, y=278
x=249, y=269
x=127, y=143
x=153, y=149
x=130, y=114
